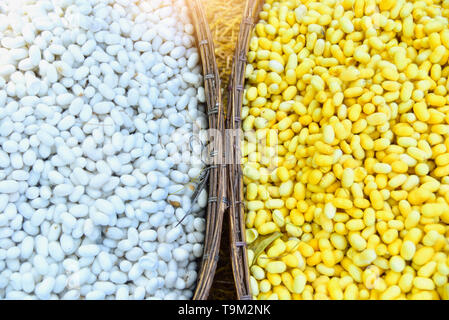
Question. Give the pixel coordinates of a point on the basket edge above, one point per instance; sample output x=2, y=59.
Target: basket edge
x=217, y=190
x=235, y=183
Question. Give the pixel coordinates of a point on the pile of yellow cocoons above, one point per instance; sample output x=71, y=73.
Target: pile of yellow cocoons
x=345, y=150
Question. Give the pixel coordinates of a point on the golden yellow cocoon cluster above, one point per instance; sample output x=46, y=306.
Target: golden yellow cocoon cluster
x=346, y=149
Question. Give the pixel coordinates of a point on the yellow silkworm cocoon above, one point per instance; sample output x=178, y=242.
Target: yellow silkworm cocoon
x=251, y=191
x=254, y=286
x=274, y=204
x=264, y=286
x=397, y=263
x=276, y=250
x=282, y=174
x=423, y=255
x=364, y=258
x=342, y=203
x=408, y=250
x=251, y=235
x=324, y=160
x=382, y=168
x=391, y=293
x=423, y=283
x=427, y=270
x=255, y=205
x=276, y=267
x=257, y=272
x=377, y=119
x=357, y=241
x=299, y=283
x=431, y=210
x=267, y=228
x=328, y=134
x=330, y=210
x=251, y=172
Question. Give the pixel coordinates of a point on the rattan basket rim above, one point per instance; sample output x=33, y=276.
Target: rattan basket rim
x=217, y=173
x=235, y=184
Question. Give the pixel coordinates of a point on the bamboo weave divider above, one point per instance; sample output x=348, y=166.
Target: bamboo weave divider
x=217, y=173
x=235, y=186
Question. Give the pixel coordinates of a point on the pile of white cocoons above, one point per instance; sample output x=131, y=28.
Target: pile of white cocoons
x=101, y=106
